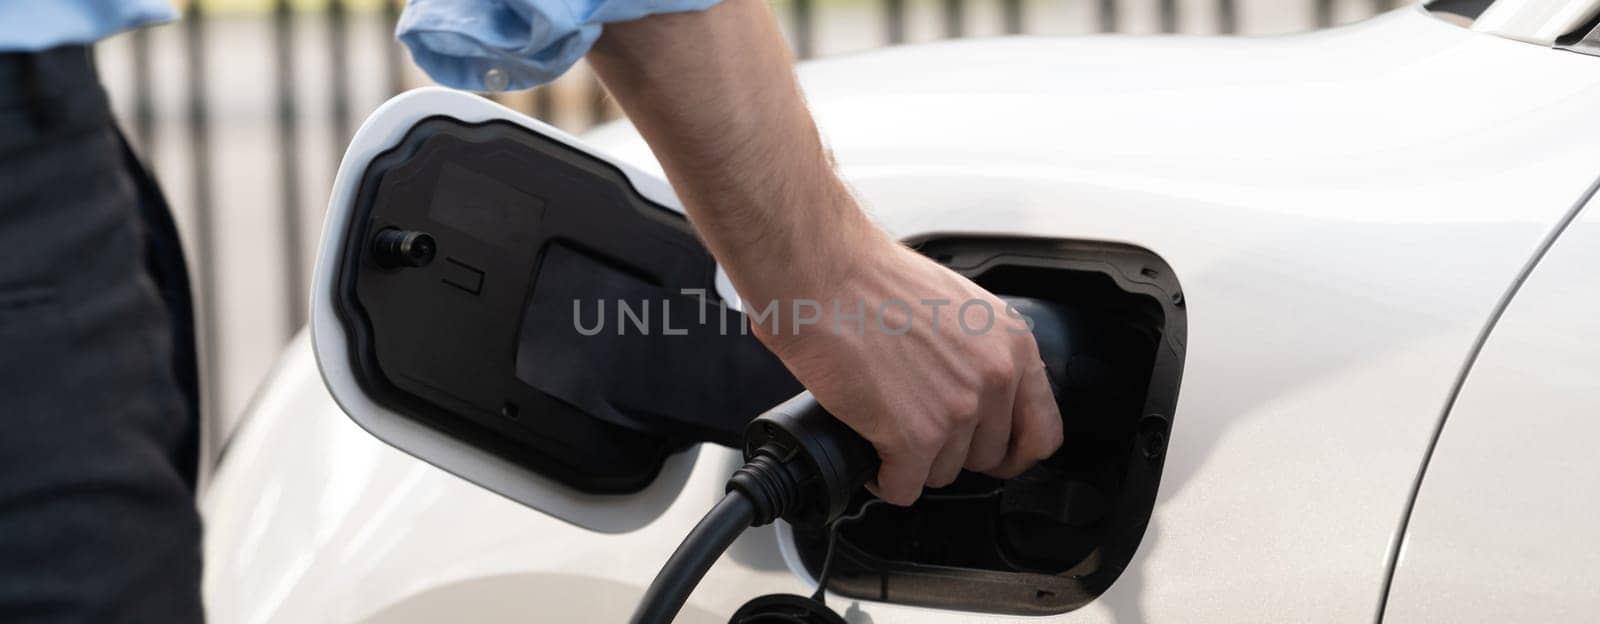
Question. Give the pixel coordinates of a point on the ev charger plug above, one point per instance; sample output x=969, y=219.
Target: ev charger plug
x=801, y=465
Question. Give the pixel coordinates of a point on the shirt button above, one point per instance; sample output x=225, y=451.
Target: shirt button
x=495, y=79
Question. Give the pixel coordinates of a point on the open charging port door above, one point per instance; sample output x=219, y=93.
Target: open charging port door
x=496, y=299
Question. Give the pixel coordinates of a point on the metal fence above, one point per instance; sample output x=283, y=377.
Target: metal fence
x=244, y=107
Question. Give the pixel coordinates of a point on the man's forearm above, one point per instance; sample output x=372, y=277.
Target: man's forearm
x=714, y=95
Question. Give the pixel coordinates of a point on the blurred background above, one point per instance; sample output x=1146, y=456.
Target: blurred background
x=243, y=109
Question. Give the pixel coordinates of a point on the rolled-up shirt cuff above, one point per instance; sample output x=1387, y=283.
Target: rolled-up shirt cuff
x=500, y=45
x=458, y=60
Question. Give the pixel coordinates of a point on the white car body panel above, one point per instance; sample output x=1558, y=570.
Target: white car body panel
x=1505, y=524
x=312, y=519
x=1535, y=21
x=1345, y=210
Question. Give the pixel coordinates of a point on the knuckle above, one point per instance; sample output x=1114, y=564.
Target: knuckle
x=892, y=447
x=996, y=377
x=1051, y=429
x=1054, y=440
x=1045, y=444
x=964, y=413
x=997, y=372
x=923, y=438
x=963, y=409
x=1026, y=345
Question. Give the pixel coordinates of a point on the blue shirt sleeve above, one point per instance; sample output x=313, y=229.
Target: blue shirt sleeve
x=31, y=25
x=497, y=45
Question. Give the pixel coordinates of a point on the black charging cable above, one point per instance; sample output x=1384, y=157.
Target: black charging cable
x=801, y=464
x=688, y=564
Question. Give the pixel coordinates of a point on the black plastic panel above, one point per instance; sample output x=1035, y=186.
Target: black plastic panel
x=481, y=342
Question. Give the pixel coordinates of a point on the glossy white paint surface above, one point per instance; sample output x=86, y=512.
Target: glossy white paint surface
x=1344, y=210
x=312, y=519
x=1507, y=524
x=1535, y=21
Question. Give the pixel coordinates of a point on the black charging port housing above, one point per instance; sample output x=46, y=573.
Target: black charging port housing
x=1056, y=537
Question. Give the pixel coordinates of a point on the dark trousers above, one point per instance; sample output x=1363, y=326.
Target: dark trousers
x=98, y=426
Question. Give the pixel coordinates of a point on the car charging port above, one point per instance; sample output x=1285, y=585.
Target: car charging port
x=1057, y=536
x=804, y=466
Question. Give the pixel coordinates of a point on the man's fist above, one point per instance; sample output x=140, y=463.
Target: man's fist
x=937, y=373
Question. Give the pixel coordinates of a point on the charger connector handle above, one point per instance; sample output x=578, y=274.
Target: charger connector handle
x=812, y=464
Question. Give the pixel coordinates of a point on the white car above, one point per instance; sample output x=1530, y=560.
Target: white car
x=1339, y=358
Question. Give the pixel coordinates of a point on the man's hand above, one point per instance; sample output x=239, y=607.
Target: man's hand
x=715, y=97
x=936, y=372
